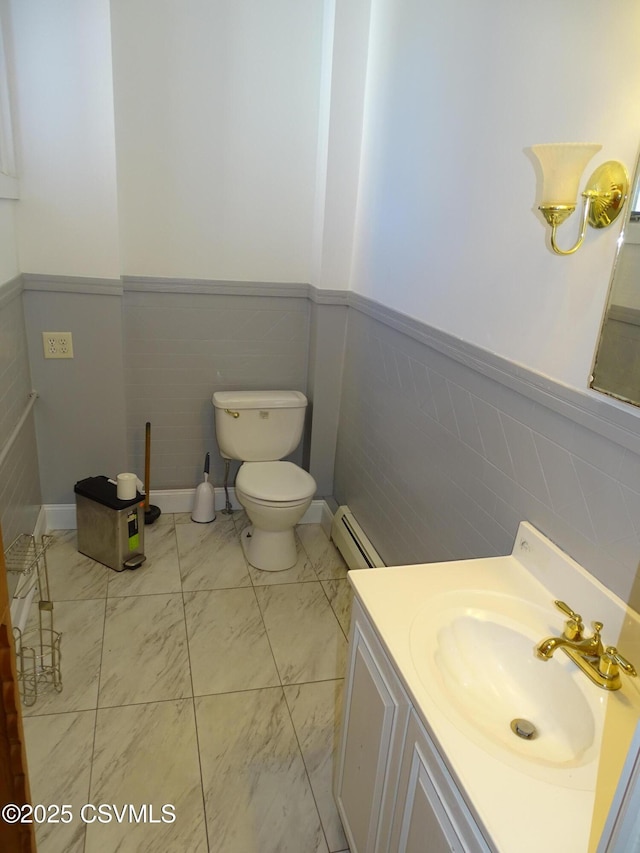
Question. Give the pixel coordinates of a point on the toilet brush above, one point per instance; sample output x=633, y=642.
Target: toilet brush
x=205, y=499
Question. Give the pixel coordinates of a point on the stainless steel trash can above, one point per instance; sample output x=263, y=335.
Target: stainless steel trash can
x=110, y=531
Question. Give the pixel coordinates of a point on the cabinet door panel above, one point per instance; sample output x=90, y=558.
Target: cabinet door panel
x=374, y=723
x=425, y=824
x=431, y=813
x=367, y=744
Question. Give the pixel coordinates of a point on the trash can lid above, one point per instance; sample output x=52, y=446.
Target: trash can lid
x=104, y=492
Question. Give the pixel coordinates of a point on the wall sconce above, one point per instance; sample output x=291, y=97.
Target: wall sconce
x=604, y=197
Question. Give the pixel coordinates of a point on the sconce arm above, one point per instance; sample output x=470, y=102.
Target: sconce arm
x=588, y=196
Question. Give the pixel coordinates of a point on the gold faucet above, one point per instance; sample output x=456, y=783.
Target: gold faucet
x=602, y=665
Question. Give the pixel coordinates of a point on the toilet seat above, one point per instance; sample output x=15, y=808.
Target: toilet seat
x=279, y=482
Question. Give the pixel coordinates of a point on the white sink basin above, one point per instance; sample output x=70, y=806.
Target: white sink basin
x=474, y=651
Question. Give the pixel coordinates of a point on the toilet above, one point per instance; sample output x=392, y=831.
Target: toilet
x=261, y=428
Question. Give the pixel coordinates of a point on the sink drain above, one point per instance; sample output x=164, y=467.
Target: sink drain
x=523, y=728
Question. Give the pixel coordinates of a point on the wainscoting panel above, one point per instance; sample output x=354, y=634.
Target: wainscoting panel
x=439, y=461
x=19, y=479
x=181, y=347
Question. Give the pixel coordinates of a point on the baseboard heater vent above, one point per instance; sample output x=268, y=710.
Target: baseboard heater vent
x=350, y=539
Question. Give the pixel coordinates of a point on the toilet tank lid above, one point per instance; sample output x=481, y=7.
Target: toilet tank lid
x=259, y=400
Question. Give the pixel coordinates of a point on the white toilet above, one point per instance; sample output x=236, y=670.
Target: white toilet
x=261, y=428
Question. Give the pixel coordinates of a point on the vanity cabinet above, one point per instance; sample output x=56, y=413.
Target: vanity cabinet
x=393, y=790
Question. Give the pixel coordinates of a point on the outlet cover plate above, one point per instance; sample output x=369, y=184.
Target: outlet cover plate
x=57, y=344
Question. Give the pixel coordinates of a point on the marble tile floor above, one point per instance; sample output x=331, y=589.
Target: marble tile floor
x=198, y=683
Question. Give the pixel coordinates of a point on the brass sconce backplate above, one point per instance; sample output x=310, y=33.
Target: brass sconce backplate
x=608, y=188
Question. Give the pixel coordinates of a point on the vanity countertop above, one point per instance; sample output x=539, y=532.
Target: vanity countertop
x=524, y=806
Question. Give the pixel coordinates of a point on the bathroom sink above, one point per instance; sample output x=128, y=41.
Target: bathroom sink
x=474, y=651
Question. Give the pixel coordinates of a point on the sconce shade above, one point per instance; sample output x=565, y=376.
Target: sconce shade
x=562, y=167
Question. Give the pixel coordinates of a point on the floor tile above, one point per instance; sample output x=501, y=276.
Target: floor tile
x=340, y=595
x=325, y=557
x=305, y=636
x=163, y=518
x=145, y=656
x=59, y=750
x=81, y=624
x=182, y=517
x=228, y=645
x=160, y=572
x=148, y=754
x=241, y=520
x=73, y=575
x=211, y=556
x=257, y=793
x=194, y=611
x=315, y=711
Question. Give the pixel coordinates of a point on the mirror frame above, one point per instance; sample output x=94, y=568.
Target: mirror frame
x=631, y=225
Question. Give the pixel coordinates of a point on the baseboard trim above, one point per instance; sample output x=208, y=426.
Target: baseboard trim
x=326, y=518
x=63, y=516
x=41, y=523
x=315, y=513
x=60, y=517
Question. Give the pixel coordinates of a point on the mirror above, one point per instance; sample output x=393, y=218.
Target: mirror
x=616, y=369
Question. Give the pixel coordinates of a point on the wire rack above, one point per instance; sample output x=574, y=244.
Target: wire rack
x=38, y=644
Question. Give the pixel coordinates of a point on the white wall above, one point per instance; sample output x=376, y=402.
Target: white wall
x=8, y=254
x=225, y=141
x=67, y=213
x=230, y=164
x=8, y=250
x=448, y=228
x=216, y=108
x=344, y=68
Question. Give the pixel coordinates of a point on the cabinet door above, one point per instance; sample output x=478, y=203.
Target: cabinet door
x=431, y=814
x=374, y=723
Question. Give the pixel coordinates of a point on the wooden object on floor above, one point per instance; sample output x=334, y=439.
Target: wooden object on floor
x=14, y=778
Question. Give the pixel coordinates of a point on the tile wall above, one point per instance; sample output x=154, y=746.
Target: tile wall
x=180, y=348
x=19, y=479
x=80, y=416
x=439, y=462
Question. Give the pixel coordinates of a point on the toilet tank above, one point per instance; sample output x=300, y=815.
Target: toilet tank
x=258, y=426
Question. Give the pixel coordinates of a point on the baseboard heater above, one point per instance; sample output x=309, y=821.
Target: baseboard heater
x=352, y=542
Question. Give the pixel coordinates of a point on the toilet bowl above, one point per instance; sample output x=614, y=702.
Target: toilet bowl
x=275, y=496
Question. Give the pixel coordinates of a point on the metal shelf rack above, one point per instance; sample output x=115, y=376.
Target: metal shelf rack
x=37, y=645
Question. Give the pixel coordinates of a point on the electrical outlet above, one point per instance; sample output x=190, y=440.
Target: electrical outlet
x=57, y=344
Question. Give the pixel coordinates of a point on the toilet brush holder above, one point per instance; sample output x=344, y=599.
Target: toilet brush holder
x=204, y=501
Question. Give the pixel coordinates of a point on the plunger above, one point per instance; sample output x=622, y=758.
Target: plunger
x=151, y=513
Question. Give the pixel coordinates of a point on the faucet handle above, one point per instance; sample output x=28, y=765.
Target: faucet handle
x=611, y=659
x=575, y=626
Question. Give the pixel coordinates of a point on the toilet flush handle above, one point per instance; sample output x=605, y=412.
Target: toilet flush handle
x=232, y=413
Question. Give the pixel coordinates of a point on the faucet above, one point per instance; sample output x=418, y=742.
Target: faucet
x=602, y=665
x=572, y=636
